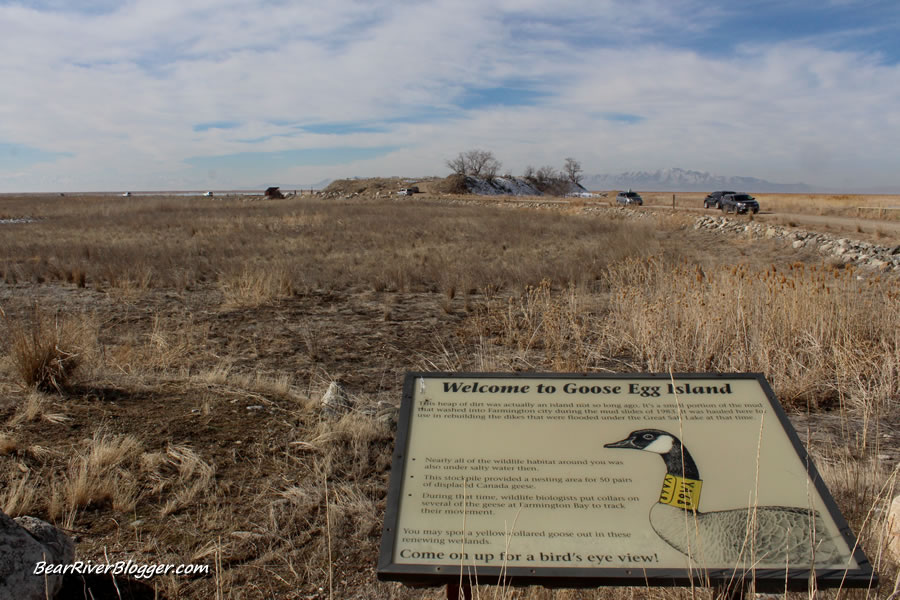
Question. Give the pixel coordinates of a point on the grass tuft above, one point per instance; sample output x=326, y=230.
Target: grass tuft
x=100, y=473
x=44, y=350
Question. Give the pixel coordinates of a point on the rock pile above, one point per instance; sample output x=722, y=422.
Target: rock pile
x=337, y=195
x=845, y=250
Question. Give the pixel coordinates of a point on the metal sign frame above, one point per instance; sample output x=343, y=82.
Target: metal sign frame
x=763, y=579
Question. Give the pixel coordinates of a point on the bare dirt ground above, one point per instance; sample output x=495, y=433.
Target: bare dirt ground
x=207, y=330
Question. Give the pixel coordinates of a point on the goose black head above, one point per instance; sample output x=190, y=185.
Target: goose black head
x=678, y=460
x=651, y=440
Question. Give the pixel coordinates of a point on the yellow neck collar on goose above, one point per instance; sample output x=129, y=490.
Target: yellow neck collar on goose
x=681, y=492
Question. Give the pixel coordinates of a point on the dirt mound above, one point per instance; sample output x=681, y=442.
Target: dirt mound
x=389, y=185
x=454, y=184
x=365, y=186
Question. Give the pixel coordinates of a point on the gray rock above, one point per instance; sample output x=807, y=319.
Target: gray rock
x=336, y=402
x=798, y=244
x=26, y=543
x=59, y=543
x=893, y=529
x=388, y=415
x=895, y=250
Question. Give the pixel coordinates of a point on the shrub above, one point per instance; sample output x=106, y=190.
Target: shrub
x=42, y=351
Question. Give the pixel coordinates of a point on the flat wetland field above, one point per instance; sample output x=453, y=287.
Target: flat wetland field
x=165, y=358
x=844, y=205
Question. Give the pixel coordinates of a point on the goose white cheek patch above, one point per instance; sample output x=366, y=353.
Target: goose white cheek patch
x=662, y=445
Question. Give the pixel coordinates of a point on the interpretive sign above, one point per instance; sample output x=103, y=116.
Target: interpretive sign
x=576, y=480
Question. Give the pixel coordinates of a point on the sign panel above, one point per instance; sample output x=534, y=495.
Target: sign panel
x=608, y=479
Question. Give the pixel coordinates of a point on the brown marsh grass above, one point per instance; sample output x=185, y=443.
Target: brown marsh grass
x=822, y=336
x=870, y=206
x=865, y=206
x=193, y=432
x=261, y=250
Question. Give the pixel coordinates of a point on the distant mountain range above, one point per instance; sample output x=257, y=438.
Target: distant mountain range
x=681, y=180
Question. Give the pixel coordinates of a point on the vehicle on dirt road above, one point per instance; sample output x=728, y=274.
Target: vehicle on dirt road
x=739, y=203
x=714, y=200
x=629, y=197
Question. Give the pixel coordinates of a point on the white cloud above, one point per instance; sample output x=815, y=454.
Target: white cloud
x=122, y=91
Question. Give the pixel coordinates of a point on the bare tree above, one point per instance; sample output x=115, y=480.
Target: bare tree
x=476, y=163
x=458, y=164
x=573, y=170
x=491, y=168
x=546, y=175
x=529, y=172
x=483, y=164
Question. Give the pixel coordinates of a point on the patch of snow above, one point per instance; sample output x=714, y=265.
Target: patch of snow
x=20, y=220
x=510, y=186
x=501, y=186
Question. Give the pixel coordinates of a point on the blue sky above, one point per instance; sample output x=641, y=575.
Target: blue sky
x=220, y=94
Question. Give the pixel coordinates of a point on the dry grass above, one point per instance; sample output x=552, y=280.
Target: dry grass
x=45, y=349
x=820, y=335
x=100, y=473
x=255, y=285
x=20, y=496
x=266, y=250
x=8, y=444
x=823, y=337
x=868, y=206
x=208, y=328
x=36, y=405
x=191, y=476
x=845, y=205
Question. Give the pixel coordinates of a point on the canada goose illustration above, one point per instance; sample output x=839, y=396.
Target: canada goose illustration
x=769, y=535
